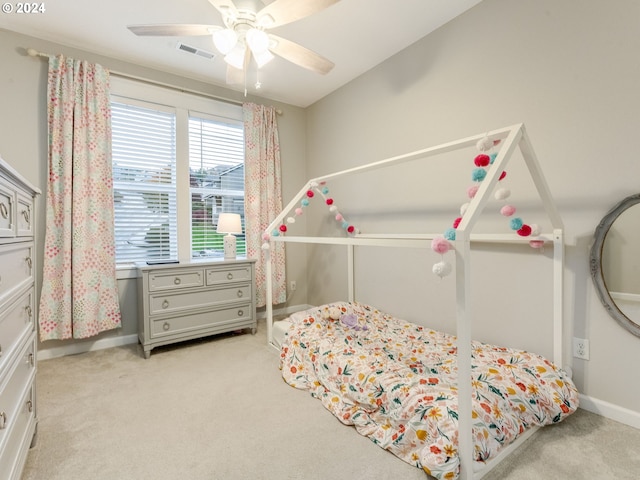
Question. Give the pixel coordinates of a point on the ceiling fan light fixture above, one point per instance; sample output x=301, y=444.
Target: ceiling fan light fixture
x=257, y=40
x=225, y=40
x=262, y=58
x=235, y=57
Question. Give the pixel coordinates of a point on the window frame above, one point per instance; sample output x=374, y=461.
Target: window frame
x=148, y=95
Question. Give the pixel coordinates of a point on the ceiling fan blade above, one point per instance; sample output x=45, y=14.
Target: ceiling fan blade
x=225, y=7
x=282, y=12
x=178, y=30
x=300, y=55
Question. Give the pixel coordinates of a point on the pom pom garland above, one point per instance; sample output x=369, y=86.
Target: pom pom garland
x=471, y=191
x=283, y=228
x=508, y=210
x=478, y=174
x=310, y=193
x=442, y=269
x=516, y=223
x=502, y=194
x=484, y=144
x=524, y=231
x=440, y=245
x=482, y=160
x=456, y=222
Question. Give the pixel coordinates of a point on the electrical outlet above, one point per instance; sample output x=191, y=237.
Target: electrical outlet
x=293, y=285
x=581, y=348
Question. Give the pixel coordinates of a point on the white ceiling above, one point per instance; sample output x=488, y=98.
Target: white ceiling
x=354, y=34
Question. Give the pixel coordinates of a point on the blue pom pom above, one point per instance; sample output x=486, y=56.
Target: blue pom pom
x=478, y=174
x=516, y=223
x=325, y=190
x=345, y=224
x=275, y=233
x=450, y=234
x=305, y=202
x=492, y=158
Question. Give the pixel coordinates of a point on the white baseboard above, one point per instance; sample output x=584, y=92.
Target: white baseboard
x=86, y=346
x=610, y=411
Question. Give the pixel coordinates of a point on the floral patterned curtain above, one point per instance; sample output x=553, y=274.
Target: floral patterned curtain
x=263, y=196
x=79, y=295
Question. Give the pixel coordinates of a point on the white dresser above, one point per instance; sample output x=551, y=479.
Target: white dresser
x=18, y=313
x=193, y=299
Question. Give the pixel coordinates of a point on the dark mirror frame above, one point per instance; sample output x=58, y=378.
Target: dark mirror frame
x=596, y=264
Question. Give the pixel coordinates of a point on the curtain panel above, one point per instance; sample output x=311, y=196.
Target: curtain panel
x=79, y=297
x=263, y=196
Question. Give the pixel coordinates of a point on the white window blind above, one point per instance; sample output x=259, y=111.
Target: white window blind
x=216, y=169
x=144, y=181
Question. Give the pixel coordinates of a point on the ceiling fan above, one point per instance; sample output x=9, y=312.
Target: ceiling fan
x=244, y=34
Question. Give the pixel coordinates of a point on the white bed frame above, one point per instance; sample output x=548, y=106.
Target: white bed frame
x=512, y=137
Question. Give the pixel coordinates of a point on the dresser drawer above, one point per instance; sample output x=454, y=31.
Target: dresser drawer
x=172, y=280
x=16, y=322
x=17, y=267
x=18, y=376
x=172, y=302
x=7, y=210
x=19, y=434
x=197, y=321
x=218, y=276
x=24, y=215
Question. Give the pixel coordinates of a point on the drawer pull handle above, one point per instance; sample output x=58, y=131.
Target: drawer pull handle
x=165, y=304
x=30, y=406
x=177, y=281
x=229, y=276
x=25, y=214
x=3, y=420
x=240, y=294
x=0, y=349
x=29, y=311
x=240, y=313
x=28, y=260
x=4, y=210
x=166, y=326
x=30, y=359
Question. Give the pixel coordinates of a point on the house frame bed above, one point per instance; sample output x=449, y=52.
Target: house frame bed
x=512, y=138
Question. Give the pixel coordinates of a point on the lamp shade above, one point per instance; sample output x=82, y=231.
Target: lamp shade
x=229, y=223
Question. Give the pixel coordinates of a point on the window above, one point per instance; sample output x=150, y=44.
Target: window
x=216, y=169
x=178, y=162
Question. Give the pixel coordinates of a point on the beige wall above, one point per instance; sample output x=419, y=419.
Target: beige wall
x=23, y=144
x=568, y=70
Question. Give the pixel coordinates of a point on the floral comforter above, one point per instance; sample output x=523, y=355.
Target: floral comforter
x=396, y=383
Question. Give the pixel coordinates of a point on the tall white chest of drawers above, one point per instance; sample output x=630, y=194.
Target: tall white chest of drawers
x=18, y=307
x=192, y=299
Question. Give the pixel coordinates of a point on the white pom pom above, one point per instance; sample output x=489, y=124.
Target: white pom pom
x=502, y=193
x=442, y=269
x=333, y=208
x=484, y=144
x=463, y=208
x=314, y=184
x=535, y=230
x=265, y=246
x=291, y=220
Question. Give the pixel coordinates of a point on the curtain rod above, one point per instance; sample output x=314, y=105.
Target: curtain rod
x=32, y=52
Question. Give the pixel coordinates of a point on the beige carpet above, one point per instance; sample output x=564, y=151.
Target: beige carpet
x=218, y=409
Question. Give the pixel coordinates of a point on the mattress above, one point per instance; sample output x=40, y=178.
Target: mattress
x=396, y=383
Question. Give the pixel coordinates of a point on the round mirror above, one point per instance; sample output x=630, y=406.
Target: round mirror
x=615, y=262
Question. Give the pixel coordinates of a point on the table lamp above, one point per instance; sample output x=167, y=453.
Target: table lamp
x=229, y=223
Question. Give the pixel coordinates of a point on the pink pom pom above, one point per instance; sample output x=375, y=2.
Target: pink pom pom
x=471, y=191
x=329, y=201
x=536, y=243
x=502, y=175
x=482, y=160
x=310, y=193
x=283, y=228
x=266, y=237
x=456, y=222
x=508, y=210
x=524, y=231
x=440, y=245
x=298, y=211
x=351, y=229
x=339, y=217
